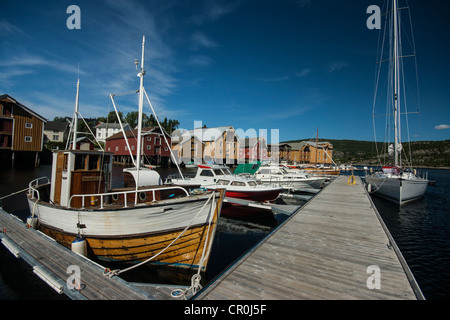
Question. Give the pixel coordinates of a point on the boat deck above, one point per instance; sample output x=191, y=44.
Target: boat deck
x=51, y=260
x=326, y=250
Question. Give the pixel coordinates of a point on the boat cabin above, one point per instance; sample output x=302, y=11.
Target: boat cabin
x=79, y=172
x=221, y=175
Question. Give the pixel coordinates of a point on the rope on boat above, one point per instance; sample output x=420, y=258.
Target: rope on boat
x=111, y=273
x=196, y=278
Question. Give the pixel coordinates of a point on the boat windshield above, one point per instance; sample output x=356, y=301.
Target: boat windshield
x=218, y=172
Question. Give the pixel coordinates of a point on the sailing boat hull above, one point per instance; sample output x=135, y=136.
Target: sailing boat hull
x=398, y=190
x=136, y=234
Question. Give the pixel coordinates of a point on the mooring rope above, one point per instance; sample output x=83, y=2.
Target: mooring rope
x=111, y=273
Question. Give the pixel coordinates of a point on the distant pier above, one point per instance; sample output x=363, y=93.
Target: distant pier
x=335, y=247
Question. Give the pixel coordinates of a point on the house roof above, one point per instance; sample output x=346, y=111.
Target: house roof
x=17, y=103
x=207, y=134
x=134, y=133
x=56, y=125
x=111, y=125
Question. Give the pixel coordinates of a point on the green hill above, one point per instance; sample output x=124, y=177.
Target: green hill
x=424, y=153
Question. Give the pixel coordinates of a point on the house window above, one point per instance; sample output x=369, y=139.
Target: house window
x=28, y=139
x=157, y=141
x=132, y=148
x=149, y=138
x=149, y=147
x=117, y=148
x=28, y=125
x=55, y=137
x=165, y=148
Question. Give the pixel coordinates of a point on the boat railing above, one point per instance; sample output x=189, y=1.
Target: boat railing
x=34, y=185
x=124, y=194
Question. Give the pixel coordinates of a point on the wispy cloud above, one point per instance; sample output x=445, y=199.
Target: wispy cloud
x=200, y=40
x=276, y=79
x=199, y=60
x=303, y=73
x=31, y=61
x=442, y=127
x=214, y=10
x=8, y=28
x=335, y=66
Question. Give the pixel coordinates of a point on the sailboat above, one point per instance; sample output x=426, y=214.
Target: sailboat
x=395, y=182
x=148, y=222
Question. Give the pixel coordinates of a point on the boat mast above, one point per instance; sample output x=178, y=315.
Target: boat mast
x=75, y=120
x=396, y=73
x=141, y=104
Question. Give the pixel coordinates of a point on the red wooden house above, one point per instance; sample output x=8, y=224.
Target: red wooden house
x=252, y=149
x=154, y=147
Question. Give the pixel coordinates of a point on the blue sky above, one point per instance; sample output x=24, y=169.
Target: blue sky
x=291, y=65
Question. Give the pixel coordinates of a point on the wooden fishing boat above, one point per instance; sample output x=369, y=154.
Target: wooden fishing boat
x=143, y=222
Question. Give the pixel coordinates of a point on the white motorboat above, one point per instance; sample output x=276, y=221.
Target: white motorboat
x=279, y=176
x=214, y=176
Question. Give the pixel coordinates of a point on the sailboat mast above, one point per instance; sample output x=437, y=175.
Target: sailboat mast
x=140, y=111
x=396, y=74
x=75, y=120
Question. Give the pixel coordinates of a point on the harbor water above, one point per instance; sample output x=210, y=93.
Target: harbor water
x=420, y=229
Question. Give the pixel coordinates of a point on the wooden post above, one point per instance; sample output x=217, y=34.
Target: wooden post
x=37, y=160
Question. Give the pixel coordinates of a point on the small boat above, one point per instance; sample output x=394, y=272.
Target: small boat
x=279, y=176
x=214, y=176
x=143, y=221
x=394, y=182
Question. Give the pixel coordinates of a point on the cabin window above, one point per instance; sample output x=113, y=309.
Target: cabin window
x=223, y=182
x=28, y=139
x=218, y=172
x=93, y=162
x=264, y=171
x=238, y=183
x=207, y=173
x=28, y=125
x=252, y=183
x=80, y=161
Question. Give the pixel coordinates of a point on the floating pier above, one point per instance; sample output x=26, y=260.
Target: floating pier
x=334, y=247
x=55, y=265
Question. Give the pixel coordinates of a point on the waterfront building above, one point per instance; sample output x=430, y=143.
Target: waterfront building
x=21, y=131
x=155, y=151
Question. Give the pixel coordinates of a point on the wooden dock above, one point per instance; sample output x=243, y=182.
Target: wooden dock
x=51, y=262
x=335, y=247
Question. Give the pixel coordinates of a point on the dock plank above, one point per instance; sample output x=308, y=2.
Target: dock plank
x=39, y=250
x=322, y=252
